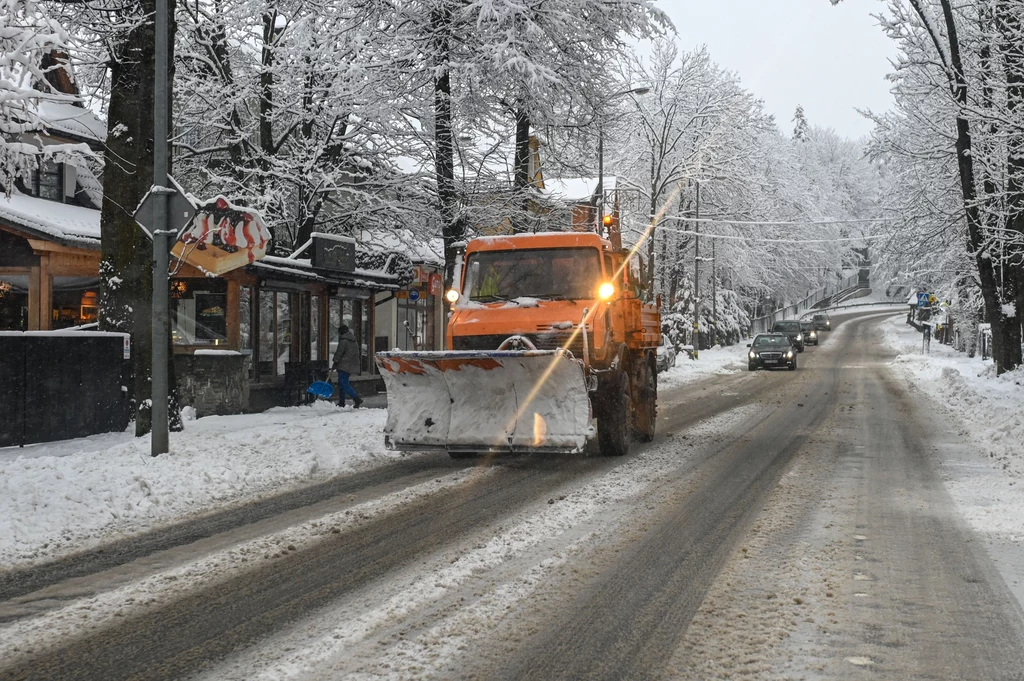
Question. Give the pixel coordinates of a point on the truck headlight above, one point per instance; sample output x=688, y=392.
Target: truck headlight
x=452, y=296
x=606, y=290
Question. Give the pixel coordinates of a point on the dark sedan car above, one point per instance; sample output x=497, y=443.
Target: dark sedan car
x=810, y=334
x=791, y=328
x=822, y=322
x=771, y=351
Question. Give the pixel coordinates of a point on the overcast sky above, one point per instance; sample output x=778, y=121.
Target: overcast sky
x=788, y=52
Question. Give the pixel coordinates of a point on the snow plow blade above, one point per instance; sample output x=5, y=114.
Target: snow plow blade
x=517, y=400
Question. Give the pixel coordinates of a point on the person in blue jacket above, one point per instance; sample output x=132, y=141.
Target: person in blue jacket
x=346, y=363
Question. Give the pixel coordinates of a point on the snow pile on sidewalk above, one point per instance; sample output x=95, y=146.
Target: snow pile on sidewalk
x=717, y=360
x=992, y=407
x=60, y=497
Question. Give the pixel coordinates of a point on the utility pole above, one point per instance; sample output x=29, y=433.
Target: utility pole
x=714, y=295
x=696, y=278
x=161, y=98
x=600, y=174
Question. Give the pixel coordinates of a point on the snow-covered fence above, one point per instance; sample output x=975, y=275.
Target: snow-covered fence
x=56, y=385
x=762, y=324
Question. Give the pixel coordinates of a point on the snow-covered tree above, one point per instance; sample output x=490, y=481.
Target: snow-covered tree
x=799, y=124
x=29, y=39
x=956, y=130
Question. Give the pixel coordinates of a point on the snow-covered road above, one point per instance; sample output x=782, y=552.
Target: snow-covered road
x=778, y=527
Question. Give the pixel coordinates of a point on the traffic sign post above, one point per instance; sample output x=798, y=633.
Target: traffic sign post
x=180, y=209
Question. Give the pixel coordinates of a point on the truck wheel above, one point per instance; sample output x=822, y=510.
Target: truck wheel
x=613, y=427
x=645, y=414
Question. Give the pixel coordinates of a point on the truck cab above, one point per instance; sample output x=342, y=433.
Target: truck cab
x=538, y=286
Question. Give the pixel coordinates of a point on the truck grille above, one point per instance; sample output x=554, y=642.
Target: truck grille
x=544, y=341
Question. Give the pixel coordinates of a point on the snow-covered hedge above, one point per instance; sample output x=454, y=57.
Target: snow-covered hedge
x=733, y=320
x=388, y=262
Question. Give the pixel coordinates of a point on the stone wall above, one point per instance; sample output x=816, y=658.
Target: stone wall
x=213, y=382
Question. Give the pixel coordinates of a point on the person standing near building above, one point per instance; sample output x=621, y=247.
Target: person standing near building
x=346, y=363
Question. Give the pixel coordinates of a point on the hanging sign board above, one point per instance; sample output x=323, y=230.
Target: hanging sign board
x=222, y=237
x=436, y=284
x=335, y=253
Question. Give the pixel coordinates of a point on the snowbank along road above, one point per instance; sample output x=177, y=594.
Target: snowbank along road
x=782, y=525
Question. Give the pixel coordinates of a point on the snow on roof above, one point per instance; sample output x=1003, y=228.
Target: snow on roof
x=64, y=117
x=303, y=267
x=89, y=183
x=419, y=249
x=61, y=222
x=574, y=189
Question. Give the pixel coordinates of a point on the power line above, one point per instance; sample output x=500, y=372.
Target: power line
x=733, y=237
x=715, y=221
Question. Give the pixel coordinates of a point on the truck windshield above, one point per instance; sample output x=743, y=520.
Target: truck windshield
x=559, y=273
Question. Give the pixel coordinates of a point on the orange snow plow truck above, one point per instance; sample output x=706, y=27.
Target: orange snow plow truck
x=547, y=333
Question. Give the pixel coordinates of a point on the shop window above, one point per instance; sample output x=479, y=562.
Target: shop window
x=415, y=324
x=245, y=319
x=275, y=333
x=13, y=305
x=199, y=311
x=75, y=302
x=314, y=327
x=350, y=313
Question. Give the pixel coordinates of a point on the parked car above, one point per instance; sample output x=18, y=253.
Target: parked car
x=771, y=351
x=810, y=335
x=822, y=322
x=666, y=354
x=791, y=328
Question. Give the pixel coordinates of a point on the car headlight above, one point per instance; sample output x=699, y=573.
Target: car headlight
x=814, y=334
x=799, y=336
x=789, y=355
x=753, y=355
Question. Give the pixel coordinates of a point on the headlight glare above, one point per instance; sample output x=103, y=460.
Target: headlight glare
x=452, y=296
x=606, y=291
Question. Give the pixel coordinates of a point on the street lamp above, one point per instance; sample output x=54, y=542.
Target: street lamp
x=642, y=90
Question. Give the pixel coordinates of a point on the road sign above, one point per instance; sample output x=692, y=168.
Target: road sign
x=180, y=210
x=922, y=299
x=414, y=294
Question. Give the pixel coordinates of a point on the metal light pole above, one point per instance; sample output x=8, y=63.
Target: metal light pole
x=696, y=278
x=161, y=98
x=714, y=295
x=642, y=90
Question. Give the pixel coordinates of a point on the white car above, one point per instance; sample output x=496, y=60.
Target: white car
x=666, y=355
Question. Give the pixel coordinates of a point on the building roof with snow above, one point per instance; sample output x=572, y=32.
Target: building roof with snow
x=63, y=223
x=575, y=190
x=421, y=250
x=64, y=119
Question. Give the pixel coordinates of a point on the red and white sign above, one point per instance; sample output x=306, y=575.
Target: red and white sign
x=436, y=284
x=223, y=237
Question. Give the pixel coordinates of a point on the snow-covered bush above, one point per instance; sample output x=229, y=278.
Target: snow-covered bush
x=733, y=320
x=388, y=262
